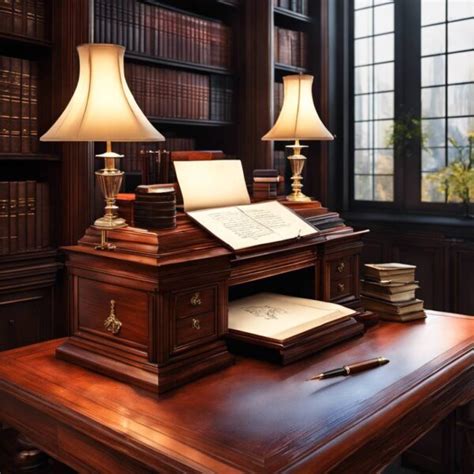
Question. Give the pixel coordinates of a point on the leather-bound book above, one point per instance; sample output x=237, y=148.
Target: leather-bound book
x=13, y=217
x=39, y=216
x=4, y=221
x=25, y=101
x=30, y=215
x=22, y=216
x=5, y=103
x=15, y=107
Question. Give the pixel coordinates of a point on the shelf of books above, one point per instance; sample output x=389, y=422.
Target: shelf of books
x=179, y=65
x=24, y=184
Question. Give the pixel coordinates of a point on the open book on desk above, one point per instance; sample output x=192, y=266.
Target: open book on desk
x=224, y=209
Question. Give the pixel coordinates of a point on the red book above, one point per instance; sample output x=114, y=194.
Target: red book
x=13, y=216
x=22, y=211
x=4, y=218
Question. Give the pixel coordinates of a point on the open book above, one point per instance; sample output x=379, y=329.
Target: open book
x=280, y=317
x=223, y=207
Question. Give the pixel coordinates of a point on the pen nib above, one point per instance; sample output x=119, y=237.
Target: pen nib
x=317, y=377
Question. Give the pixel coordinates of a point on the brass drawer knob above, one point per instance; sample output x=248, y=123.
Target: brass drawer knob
x=112, y=324
x=196, y=299
x=340, y=267
x=341, y=287
x=196, y=324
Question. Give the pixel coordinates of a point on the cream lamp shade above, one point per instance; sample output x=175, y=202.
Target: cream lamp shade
x=298, y=119
x=102, y=107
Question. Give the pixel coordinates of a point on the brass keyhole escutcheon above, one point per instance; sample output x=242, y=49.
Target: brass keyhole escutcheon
x=196, y=299
x=341, y=287
x=196, y=324
x=112, y=324
x=340, y=267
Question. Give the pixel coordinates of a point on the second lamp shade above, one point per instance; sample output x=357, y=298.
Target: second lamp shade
x=298, y=119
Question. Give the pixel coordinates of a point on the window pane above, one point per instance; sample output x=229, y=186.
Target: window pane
x=460, y=9
x=363, y=134
x=461, y=67
x=362, y=3
x=433, y=11
x=432, y=71
x=382, y=129
x=363, y=161
x=363, y=79
x=433, y=102
x=458, y=129
x=363, y=51
x=383, y=48
x=363, y=107
x=461, y=35
x=383, y=105
x=458, y=153
x=429, y=191
x=383, y=162
x=433, y=40
x=435, y=131
x=383, y=19
x=363, y=188
x=461, y=99
x=383, y=189
x=433, y=159
x=363, y=23
x=383, y=77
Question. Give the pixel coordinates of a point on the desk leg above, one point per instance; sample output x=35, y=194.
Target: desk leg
x=465, y=427
x=19, y=455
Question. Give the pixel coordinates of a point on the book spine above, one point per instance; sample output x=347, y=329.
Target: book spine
x=13, y=217
x=45, y=229
x=22, y=216
x=4, y=217
x=5, y=104
x=30, y=215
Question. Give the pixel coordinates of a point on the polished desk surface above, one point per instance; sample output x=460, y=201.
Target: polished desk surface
x=254, y=416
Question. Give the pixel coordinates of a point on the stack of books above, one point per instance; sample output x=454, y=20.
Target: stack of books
x=389, y=290
x=265, y=183
x=23, y=17
x=155, y=206
x=291, y=47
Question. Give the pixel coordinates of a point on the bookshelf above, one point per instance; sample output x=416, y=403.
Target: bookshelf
x=29, y=170
x=181, y=65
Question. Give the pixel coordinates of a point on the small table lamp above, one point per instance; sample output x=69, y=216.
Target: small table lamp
x=102, y=108
x=298, y=120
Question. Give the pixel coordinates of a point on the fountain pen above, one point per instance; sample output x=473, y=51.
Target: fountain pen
x=352, y=368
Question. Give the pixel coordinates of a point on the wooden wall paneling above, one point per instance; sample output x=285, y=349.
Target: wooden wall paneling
x=462, y=280
x=257, y=84
x=71, y=27
x=430, y=255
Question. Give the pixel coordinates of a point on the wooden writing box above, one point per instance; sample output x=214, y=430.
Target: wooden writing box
x=154, y=311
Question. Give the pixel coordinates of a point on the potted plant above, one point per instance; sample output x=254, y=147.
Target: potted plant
x=457, y=179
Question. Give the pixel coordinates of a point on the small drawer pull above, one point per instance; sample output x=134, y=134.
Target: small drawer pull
x=341, y=287
x=196, y=324
x=340, y=267
x=196, y=299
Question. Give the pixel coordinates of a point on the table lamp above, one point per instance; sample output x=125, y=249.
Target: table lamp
x=102, y=108
x=298, y=120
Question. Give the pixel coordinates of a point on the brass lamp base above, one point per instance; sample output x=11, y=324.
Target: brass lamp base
x=110, y=181
x=297, y=161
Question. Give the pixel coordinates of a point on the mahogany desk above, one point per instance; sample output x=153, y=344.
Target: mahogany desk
x=253, y=416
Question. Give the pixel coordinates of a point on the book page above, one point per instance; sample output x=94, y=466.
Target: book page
x=280, y=317
x=255, y=224
x=213, y=183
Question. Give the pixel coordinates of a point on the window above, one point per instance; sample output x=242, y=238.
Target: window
x=373, y=99
x=447, y=85
x=409, y=59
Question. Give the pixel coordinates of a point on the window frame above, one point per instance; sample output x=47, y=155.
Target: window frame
x=408, y=91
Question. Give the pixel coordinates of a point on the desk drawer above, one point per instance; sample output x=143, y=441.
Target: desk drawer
x=125, y=309
x=195, y=328
x=195, y=302
x=341, y=287
x=341, y=267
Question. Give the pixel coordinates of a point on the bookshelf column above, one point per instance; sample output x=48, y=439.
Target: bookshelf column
x=257, y=86
x=71, y=27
